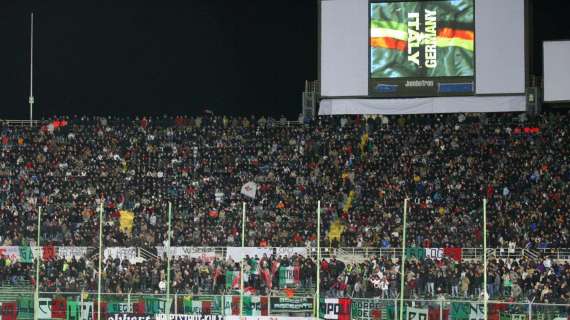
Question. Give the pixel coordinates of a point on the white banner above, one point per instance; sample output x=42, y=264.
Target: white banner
x=86, y=311
x=434, y=253
x=44, y=310
x=238, y=253
x=188, y=252
x=70, y=252
x=13, y=252
x=122, y=253
x=283, y=251
x=477, y=312
x=10, y=252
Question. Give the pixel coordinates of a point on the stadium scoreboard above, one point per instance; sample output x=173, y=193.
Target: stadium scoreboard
x=421, y=48
x=411, y=49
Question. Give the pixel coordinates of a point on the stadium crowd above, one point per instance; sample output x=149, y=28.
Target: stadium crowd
x=360, y=169
x=544, y=281
x=445, y=165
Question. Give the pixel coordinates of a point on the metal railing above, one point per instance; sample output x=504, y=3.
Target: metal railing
x=84, y=305
x=357, y=253
x=20, y=123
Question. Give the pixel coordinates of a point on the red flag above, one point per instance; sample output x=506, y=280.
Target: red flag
x=58, y=308
x=264, y=302
x=235, y=305
x=297, y=274
x=213, y=213
x=48, y=253
x=138, y=308
x=206, y=307
x=344, y=313
x=433, y=314
x=453, y=253
x=9, y=311
x=267, y=278
x=274, y=267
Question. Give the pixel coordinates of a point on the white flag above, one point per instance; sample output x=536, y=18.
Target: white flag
x=249, y=189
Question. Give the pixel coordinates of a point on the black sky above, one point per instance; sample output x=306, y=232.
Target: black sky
x=175, y=57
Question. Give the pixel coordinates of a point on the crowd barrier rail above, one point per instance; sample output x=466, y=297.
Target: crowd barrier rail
x=84, y=306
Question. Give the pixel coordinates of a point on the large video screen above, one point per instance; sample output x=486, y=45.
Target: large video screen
x=422, y=48
x=556, y=70
x=351, y=68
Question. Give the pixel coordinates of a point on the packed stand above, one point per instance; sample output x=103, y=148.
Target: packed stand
x=445, y=165
x=544, y=280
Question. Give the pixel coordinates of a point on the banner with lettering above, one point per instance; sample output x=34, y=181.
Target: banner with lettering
x=26, y=255
x=434, y=253
x=71, y=252
x=460, y=311
x=120, y=307
x=289, y=276
x=77, y=310
x=335, y=309
x=440, y=253
x=477, y=311
x=231, y=305
x=44, y=308
x=25, y=308
x=190, y=252
x=155, y=305
x=416, y=313
x=466, y=311
x=368, y=309
x=238, y=253
x=255, y=306
x=202, y=305
x=122, y=253
x=290, y=305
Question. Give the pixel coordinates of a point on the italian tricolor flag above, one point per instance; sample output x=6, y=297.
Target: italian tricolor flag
x=232, y=280
x=202, y=305
x=255, y=306
x=289, y=276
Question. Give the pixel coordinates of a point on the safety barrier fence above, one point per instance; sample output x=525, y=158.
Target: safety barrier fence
x=131, y=306
x=27, y=254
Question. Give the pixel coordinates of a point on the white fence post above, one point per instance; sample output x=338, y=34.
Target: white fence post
x=396, y=307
